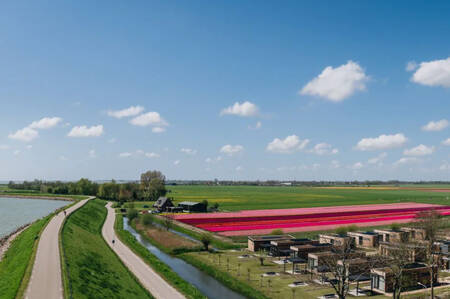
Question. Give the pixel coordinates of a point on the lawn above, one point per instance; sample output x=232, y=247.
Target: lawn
x=235, y=198
x=92, y=270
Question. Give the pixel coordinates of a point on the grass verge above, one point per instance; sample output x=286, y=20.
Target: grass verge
x=165, y=271
x=92, y=269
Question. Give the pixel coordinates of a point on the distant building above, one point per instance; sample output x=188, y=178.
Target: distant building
x=256, y=243
x=189, y=206
x=416, y=252
x=365, y=239
x=392, y=236
x=163, y=204
x=302, y=251
x=283, y=247
x=418, y=234
x=335, y=239
x=414, y=274
x=318, y=262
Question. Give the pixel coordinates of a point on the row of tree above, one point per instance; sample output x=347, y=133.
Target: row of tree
x=150, y=187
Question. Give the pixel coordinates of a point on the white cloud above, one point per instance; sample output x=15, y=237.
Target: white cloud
x=287, y=145
x=446, y=142
x=239, y=168
x=246, y=109
x=125, y=155
x=411, y=66
x=213, y=160
x=92, y=154
x=158, y=130
x=149, y=119
x=189, y=151
x=406, y=160
x=29, y=147
x=357, y=166
x=335, y=164
x=433, y=73
x=176, y=162
x=62, y=158
x=152, y=155
x=130, y=111
x=420, y=150
x=445, y=166
x=45, y=123
x=84, y=131
x=378, y=159
x=257, y=126
x=231, y=149
x=112, y=140
x=324, y=149
x=436, y=125
x=16, y=152
x=337, y=84
x=26, y=134
x=381, y=142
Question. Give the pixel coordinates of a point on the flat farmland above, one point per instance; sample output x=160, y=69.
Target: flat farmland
x=237, y=198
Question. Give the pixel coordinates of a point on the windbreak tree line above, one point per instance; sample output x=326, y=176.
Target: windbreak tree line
x=150, y=187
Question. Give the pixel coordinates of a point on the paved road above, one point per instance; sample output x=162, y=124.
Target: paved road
x=46, y=281
x=157, y=286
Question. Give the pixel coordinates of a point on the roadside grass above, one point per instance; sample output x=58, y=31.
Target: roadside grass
x=92, y=269
x=165, y=271
x=235, y=198
x=17, y=263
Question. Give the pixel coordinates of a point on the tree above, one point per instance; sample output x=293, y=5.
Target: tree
x=206, y=239
x=430, y=222
x=168, y=222
x=153, y=185
x=132, y=214
x=147, y=219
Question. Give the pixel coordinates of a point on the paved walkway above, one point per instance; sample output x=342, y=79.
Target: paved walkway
x=157, y=286
x=46, y=281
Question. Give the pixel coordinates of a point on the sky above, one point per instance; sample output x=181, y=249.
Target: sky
x=241, y=90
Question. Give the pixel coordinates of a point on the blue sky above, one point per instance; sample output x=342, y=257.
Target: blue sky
x=303, y=90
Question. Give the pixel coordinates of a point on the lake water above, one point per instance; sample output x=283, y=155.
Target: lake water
x=15, y=212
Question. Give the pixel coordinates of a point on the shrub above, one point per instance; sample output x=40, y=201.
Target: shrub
x=342, y=230
x=206, y=239
x=352, y=228
x=147, y=219
x=395, y=226
x=277, y=231
x=132, y=214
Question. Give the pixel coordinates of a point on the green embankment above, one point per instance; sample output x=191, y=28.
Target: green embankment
x=91, y=268
x=165, y=271
x=16, y=265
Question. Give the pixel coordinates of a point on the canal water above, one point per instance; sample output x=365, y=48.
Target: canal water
x=209, y=286
x=15, y=212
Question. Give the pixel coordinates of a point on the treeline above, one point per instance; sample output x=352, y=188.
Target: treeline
x=150, y=187
x=301, y=183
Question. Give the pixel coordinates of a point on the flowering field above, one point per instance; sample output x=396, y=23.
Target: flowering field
x=253, y=222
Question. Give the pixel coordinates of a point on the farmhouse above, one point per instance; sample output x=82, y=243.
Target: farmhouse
x=302, y=251
x=414, y=274
x=256, y=243
x=365, y=239
x=389, y=235
x=189, y=206
x=163, y=204
x=335, y=239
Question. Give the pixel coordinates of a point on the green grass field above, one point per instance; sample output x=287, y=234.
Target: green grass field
x=234, y=198
x=92, y=270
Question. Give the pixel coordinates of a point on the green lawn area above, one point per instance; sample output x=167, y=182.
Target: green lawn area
x=15, y=266
x=234, y=198
x=91, y=268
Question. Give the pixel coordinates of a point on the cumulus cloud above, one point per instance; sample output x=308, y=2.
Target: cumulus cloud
x=406, y=160
x=92, y=154
x=411, y=66
x=16, y=152
x=287, y=145
x=324, y=149
x=381, y=142
x=446, y=142
x=176, y=162
x=257, y=126
x=84, y=131
x=357, y=166
x=378, y=159
x=244, y=109
x=239, y=168
x=436, y=125
x=420, y=150
x=231, y=150
x=149, y=119
x=188, y=151
x=26, y=134
x=152, y=155
x=337, y=84
x=213, y=160
x=335, y=164
x=125, y=155
x=45, y=123
x=433, y=73
x=158, y=130
x=127, y=112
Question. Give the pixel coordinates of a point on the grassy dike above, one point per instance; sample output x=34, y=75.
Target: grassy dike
x=165, y=271
x=91, y=268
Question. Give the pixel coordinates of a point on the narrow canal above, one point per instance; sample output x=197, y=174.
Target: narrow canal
x=209, y=286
